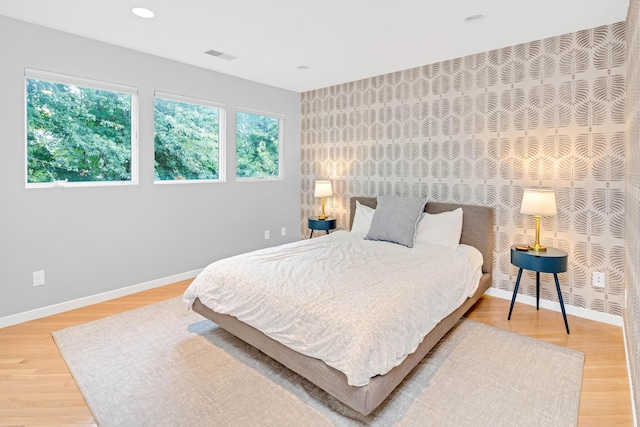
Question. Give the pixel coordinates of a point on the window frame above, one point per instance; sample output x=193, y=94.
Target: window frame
x=33, y=74
x=222, y=140
x=281, y=123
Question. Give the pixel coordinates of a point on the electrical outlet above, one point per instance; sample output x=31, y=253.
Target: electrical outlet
x=38, y=278
x=283, y=231
x=598, y=279
x=267, y=234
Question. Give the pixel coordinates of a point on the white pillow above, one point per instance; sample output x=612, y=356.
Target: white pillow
x=443, y=229
x=362, y=219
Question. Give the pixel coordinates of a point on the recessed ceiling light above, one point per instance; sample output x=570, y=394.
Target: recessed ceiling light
x=475, y=18
x=143, y=12
x=303, y=67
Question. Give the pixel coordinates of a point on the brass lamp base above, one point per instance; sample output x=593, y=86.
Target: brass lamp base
x=323, y=215
x=537, y=248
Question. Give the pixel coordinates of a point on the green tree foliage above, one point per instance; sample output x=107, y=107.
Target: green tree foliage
x=77, y=134
x=83, y=134
x=186, y=140
x=257, y=142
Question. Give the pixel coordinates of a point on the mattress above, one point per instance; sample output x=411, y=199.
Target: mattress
x=359, y=306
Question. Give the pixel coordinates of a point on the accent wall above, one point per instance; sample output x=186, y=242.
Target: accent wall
x=632, y=201
x=480, y=129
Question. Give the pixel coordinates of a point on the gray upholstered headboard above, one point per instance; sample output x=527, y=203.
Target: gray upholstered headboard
x=477, y=225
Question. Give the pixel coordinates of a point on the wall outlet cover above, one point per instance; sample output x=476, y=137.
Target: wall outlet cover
x=598, y=279
x=38, y=278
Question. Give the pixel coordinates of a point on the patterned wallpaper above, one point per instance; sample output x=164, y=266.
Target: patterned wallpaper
x=632, y=202
x=480, y=129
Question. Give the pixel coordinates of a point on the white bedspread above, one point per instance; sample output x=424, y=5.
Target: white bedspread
x=360, y=306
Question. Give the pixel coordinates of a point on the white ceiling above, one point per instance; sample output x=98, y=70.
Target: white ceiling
x=339, y=40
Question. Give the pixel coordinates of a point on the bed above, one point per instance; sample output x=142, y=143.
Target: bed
x=477, y=231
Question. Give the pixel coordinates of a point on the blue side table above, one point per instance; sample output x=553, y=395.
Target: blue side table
x=553, y=260
x=321, y=224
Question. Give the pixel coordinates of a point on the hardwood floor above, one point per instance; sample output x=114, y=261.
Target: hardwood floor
x=37, y=389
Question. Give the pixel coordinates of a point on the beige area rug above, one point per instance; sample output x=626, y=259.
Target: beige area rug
x=161, y=365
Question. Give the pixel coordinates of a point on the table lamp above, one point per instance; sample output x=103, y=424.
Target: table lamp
x=323, y=189
x=538, y=202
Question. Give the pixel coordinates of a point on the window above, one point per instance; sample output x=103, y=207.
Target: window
x=79, y=131
x=187, y=139
x=258, y=145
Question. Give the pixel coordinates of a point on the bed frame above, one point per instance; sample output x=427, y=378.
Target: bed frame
x=477, y=231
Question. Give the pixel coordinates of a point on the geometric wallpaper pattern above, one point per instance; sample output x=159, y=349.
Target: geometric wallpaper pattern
x=632, y=202
x=480, y=129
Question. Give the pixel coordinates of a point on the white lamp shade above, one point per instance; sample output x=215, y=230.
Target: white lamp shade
x=323, y=189
x=539, y=201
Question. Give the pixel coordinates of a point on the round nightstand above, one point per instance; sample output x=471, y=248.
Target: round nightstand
x=553, y=260
x=321, y=224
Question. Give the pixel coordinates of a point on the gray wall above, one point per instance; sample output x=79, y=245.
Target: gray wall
x=94, y=240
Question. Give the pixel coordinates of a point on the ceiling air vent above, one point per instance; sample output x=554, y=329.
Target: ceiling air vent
x=220, y=55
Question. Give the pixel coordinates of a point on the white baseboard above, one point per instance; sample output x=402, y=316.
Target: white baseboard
x=633, y=397
x=50, y=310
x=555, y=306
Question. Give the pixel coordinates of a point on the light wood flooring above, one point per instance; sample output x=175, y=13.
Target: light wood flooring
x=36, y=387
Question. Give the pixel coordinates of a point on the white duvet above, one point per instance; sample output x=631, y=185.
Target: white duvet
x=360, y=306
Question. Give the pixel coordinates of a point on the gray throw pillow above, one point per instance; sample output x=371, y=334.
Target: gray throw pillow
x=396, y=220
